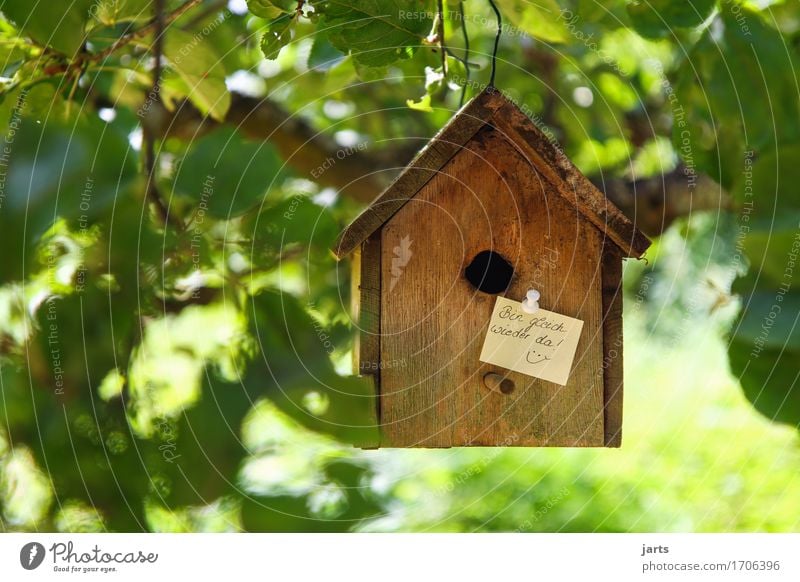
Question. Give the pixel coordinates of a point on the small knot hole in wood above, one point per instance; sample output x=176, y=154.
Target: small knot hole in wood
x=498, y=383
x=489, y=272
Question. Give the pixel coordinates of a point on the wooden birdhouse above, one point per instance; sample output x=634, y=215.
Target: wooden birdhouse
x=443, y=262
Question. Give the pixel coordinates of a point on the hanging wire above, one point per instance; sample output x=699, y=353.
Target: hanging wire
x=465, y=59
x=466, y=52
x=496, y=40
x=440, y=34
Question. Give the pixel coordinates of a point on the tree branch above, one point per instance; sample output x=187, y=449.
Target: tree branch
x=148, y=135
x=358, y=175
x=142, y=32
x=653, y=203
x=656, y=202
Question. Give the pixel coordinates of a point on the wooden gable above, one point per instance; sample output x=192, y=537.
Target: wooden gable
x=491, y=108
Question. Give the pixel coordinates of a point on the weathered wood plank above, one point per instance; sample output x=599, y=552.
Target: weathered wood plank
x=355, y=310
x=369, y=311
x=433, y=322
x=366, y=315
x=612, y=347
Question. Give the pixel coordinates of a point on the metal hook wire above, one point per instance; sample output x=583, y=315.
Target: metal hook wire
x=496, y=40
x=466, y=52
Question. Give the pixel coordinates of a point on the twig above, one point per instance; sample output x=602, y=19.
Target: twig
x=159, y=22
x=465, y=60
x=208, y=11
x=148, y=135
x=496, y=40
x=440, y=34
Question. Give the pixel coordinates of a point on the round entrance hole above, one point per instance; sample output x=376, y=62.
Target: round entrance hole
x=489, y=272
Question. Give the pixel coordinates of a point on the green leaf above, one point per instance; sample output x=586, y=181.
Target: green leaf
x=735, y=94
x=323, y=55
x=758, y=88
x=201, y=69
x=294, y=221
x=227, y=173
x=765, y=346
x=540, y=18
x=271, y=9
x=285, y=513
x=60, y=25
x=199, y=464
x=771, y=204
x=12, y=49
x=72, y=170
x=375, y=32
x=424, y=104
x=110, y=12
x=277, y=35
x=658, y=18
x=765, y=353
x=294, y=362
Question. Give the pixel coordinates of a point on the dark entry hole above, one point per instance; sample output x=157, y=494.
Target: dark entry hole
x=489, y=272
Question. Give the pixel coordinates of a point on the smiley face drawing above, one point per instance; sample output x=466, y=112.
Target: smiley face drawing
x=534, y=357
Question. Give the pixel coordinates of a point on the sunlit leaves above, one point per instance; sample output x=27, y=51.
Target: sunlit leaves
x=13, y=49
x=270, y=9
x=339, y=497
x=165, y=374
x=200, y=69
x=375, y=32
x=59, y=25
x=171, y=336
x=60, y=168
x=542, y=19
x=736, y=94
x=110, y=12
x=293, y=360
x=655, y=18
x=282, y=15
x=765, y=351
x=765, y=344
x=276, y=36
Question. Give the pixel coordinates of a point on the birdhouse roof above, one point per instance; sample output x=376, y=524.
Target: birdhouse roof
x=491, y=108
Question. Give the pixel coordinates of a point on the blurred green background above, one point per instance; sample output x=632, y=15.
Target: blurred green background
x=175, y=340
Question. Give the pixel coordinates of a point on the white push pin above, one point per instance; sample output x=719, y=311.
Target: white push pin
x=531, y=302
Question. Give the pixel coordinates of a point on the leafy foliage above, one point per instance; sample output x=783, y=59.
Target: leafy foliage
x=61, y=27
x=377, y=32
x=174, y=338
x=660, y=18
x=238, y=173
x=201, y=71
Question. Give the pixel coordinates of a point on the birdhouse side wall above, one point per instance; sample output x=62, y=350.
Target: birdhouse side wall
x=366, y=297
x=612, y=347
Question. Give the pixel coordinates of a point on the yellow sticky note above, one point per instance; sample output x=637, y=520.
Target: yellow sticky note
x=540, y=344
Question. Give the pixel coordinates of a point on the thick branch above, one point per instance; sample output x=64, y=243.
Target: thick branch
x=357, y=174
x=653, y=203
x=162, y=22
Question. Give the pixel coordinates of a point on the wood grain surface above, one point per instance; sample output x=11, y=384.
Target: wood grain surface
x=612, y=346
x=433, y=322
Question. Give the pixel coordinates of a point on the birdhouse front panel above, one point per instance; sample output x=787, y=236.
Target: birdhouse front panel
x=486, y=225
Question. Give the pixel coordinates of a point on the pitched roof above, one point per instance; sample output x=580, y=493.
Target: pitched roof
x=492, y=108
